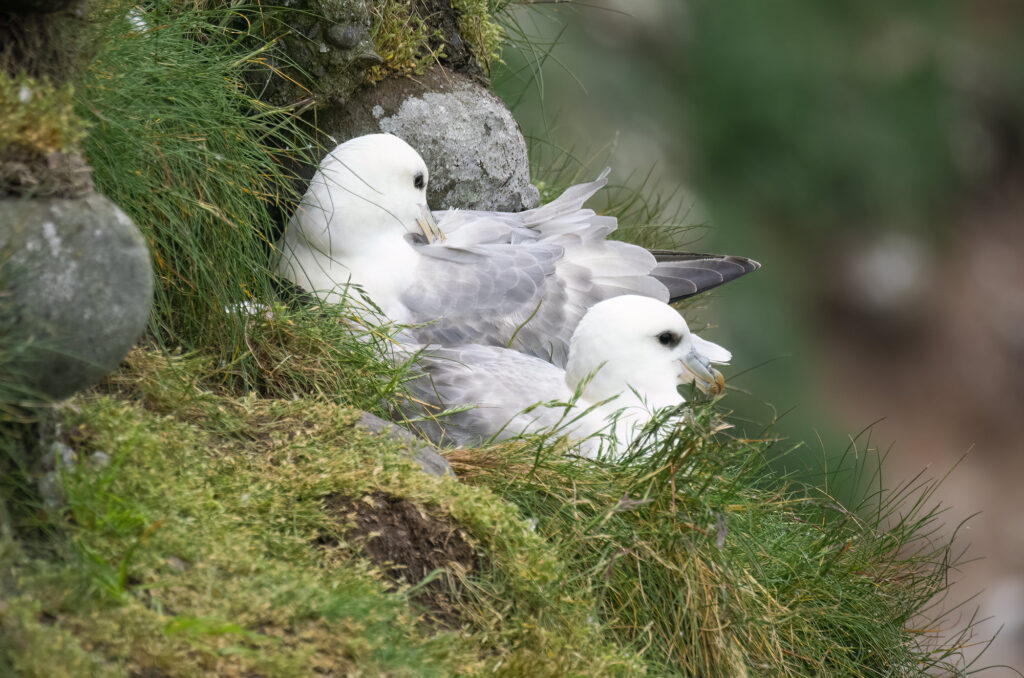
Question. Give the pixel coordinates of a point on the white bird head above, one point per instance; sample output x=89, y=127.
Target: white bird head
x=638, y=343
x=368, y=187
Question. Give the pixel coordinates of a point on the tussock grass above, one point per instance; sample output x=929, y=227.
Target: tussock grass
x=179, y=143
x=704, y=565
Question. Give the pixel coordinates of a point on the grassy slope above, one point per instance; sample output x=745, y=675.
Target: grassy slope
x=206, y=545
x=212, y=541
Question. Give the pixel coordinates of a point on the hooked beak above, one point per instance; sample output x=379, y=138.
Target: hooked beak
x=709, y=380
x=429, y=226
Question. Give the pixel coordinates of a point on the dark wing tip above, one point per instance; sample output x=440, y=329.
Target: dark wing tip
x=689, y=273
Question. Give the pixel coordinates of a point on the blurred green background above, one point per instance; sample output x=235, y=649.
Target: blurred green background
x=871, y=156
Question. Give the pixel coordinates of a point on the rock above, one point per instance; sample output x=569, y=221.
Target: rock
x=326, y=39
x=422, y=453
x=58, y=455
x=99, y=460
x=77, y=287
x=472, y=145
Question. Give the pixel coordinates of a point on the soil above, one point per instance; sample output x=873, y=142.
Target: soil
x=408, y=543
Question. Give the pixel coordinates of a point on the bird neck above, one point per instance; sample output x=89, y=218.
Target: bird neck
x=382, y=266
x=639, y=386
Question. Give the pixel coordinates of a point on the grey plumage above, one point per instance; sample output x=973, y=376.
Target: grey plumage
x=465, y=376
x=619, y=371
x=525, y=279
x=528, y=296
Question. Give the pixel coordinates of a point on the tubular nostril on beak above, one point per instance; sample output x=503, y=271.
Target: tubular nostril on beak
x=708, y=379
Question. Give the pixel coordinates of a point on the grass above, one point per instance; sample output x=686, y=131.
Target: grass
x=212, y=543
x=208, y=545
x=196, y=162
x=704, y=565
x=201, y=548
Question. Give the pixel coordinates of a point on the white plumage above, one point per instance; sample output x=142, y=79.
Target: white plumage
x=627, y=358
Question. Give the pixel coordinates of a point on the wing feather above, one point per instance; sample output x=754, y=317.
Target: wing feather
x=524, y=280
x=688, y=273
x=496, y=383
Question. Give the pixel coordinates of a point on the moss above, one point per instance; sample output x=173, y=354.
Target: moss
x=37, y=116
x=478, y=27
x=412, y=34
x=403, y=40
x=39, y=135
x=202, y=549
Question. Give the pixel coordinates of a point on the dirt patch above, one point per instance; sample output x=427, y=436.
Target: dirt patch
x=409, y=543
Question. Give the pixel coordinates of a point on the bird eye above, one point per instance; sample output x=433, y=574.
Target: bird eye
x=668, y=338
x=417, y=180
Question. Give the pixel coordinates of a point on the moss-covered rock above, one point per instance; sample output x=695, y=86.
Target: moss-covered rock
x=39, y=135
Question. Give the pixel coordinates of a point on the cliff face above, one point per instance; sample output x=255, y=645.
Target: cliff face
x=220, y=503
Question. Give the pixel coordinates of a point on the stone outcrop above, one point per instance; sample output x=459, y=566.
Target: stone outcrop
x=77, y=284
x=472, y=145
x=419, y=451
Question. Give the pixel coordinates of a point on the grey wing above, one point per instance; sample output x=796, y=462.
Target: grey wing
x=688, y=273
x=564, y=214
x=497, y=384
x=491, y=294
x=528, y=296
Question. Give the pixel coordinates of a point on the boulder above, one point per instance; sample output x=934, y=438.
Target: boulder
x=77, y=285
x=472, y=145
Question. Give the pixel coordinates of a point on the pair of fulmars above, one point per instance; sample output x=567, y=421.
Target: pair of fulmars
x=506, y=310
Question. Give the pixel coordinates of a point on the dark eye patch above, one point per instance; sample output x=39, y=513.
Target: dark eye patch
x=670, y=339
x=417, y=180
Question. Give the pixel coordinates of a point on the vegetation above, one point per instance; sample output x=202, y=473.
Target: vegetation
x=195, y=161
x=403, y=40
x=36, y=117
x=39, y=135
x=409, y=36
x=219, y=517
